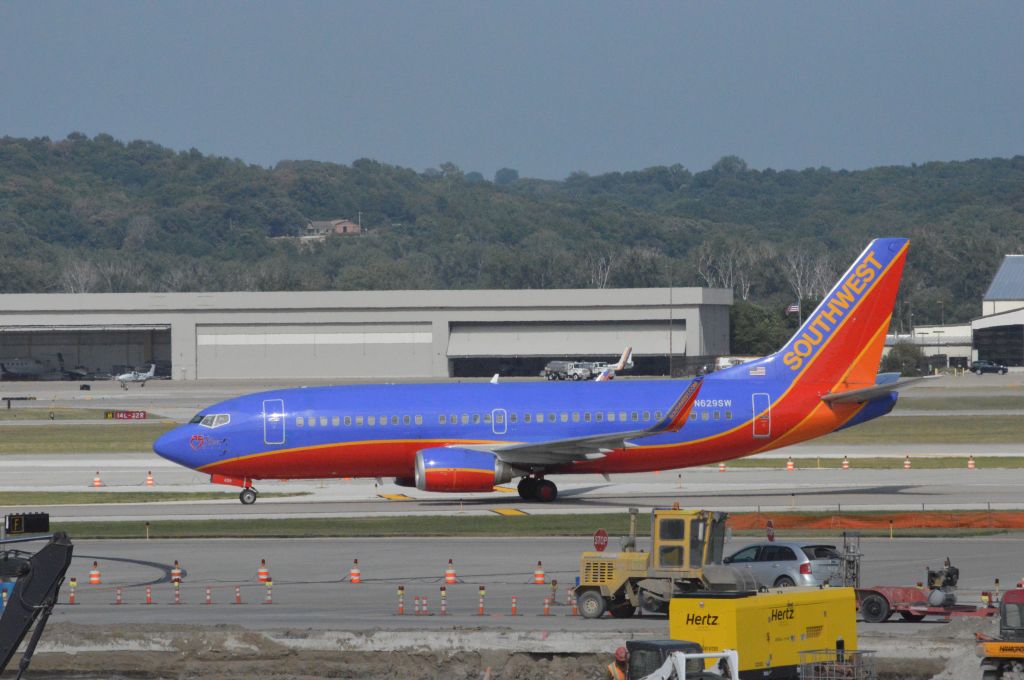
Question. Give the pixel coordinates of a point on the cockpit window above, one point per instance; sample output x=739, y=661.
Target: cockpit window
x=213, y=420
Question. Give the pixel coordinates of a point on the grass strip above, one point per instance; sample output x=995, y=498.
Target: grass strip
x=963, y=403
x=62, y=413
x=1004, y=429
x=136, y=438
x=616, y=524
x=894, y=463
x=15, y=499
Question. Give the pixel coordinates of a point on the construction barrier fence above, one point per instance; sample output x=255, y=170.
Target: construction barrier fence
x=967, y=519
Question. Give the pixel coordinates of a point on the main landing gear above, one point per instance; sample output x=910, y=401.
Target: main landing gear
x=536, y=489
x=248, y=495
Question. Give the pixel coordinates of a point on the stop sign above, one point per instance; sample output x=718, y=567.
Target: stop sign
x=600, y=540
x=769, y=530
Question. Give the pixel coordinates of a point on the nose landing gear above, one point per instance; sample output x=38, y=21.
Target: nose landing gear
x=537, y=489
x=248, y=495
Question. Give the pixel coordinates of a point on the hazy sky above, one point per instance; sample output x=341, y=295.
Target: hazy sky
x=544, y=87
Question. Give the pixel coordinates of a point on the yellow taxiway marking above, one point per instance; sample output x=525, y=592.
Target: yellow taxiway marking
x=395, y=496
x=505, y=489
x=508, y=512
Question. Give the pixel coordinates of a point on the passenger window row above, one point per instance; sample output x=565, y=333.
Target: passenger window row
x=711, y=415
x=538, y=417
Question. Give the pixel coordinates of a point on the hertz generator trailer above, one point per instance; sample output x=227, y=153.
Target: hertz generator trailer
x=769, y=630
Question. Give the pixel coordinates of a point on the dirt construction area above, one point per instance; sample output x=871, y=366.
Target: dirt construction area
x=943, y=651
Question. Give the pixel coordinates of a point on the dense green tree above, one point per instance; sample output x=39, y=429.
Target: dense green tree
x=906, y=359
x=755, y=330
x=505, y=176
x=71, y=209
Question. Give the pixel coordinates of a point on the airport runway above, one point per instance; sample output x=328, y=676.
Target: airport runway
x=309, y=591
x=738, y=489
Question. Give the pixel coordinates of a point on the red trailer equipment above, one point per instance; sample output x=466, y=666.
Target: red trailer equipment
x=877, y=604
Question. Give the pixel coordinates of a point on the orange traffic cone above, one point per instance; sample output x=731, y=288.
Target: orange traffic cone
x=354, y=574
x=96, y=481
x=149, y=478
x=176, y=572
x=846, y=463
x=906, y=463
x=970, y=462
x=94, y=574
x=449, y=573
x=789, y=465
x=721, y=467
x=538, y=574
x=263, y=574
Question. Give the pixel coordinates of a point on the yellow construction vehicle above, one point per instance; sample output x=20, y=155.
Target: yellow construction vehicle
x=685, y=557
x=1003, y=657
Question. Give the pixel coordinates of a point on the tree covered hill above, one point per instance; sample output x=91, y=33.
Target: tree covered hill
x=97, y=214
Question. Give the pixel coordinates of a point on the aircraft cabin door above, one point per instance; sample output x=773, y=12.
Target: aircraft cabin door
x=499, y=421
x=762, y=415
x=273, y=421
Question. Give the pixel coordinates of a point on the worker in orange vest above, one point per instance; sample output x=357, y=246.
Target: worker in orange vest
x=617, y=668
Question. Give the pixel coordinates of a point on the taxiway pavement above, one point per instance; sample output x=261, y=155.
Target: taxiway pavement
x=310, y=587
x=738, y=489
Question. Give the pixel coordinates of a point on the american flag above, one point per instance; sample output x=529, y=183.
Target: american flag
x=793, y=308
x=756, y=370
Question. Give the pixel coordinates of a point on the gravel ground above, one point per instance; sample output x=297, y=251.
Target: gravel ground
x=223, y=652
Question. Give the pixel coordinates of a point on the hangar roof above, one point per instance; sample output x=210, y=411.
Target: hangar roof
x=368, y=300
x=1008, y=283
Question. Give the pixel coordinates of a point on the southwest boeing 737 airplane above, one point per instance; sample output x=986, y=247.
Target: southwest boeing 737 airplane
x=470, y=437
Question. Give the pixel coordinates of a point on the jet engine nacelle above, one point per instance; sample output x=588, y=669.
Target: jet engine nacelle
x=455, y=469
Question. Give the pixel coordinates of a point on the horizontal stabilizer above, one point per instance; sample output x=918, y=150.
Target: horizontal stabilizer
x=869, y=393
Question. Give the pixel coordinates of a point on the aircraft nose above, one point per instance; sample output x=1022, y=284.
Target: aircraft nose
x=174, y=447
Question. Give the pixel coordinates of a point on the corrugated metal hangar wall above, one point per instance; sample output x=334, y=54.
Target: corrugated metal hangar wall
x=387, y=334
x=349, y=350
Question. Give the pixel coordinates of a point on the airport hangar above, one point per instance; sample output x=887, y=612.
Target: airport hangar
x=367, y=334
x=997, y=335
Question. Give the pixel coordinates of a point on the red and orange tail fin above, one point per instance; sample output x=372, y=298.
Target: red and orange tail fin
x=841, y=342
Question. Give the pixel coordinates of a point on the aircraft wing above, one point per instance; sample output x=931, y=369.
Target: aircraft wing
x=868, y=393
x=559, y=451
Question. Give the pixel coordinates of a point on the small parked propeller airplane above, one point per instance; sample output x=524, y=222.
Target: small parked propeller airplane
x=136, y=377
x=470, y=437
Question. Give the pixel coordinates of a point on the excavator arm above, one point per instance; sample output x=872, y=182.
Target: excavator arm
x=39, y=577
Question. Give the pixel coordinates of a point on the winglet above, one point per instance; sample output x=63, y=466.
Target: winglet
x=680, y=411
x=494, y=380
